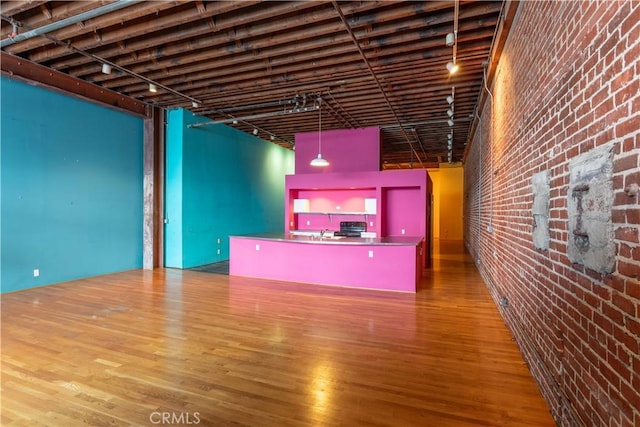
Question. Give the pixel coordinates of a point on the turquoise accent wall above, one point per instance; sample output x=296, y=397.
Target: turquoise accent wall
x=220, y=182
x=71, y=188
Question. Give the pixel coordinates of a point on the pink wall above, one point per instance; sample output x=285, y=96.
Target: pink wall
x=349, y=200
x=401, y=212
x=347, y=150
x=409, y=210
x=402, y=201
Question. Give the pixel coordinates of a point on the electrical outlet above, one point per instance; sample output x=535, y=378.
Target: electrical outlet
x=219, y=240
x=371, y=224
x=308, y=222
x=218, y=251
x=257, y=247
x=36, y=272
x=402, y=231
x=370, y=254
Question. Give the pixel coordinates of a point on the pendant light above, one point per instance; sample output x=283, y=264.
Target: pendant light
x=319, y=161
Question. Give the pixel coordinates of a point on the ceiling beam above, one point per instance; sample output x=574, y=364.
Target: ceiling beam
x=39, y=75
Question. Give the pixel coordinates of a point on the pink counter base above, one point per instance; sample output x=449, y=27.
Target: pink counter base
x=392, y=268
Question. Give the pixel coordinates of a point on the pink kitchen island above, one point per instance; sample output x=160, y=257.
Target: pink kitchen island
x=388, y=263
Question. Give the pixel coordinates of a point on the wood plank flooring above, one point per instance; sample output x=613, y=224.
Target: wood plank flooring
x=173, y=347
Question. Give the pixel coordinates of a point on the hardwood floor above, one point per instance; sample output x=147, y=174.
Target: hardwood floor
x=173, y=347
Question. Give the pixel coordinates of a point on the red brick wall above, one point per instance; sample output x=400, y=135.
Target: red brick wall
x=568, y=81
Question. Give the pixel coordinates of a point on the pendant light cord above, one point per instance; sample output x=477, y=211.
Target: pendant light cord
x=319, y=125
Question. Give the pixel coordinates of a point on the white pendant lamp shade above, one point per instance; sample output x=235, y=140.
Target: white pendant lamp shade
x=319, y=161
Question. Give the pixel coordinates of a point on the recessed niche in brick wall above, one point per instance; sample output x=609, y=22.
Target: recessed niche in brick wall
x=589, y=203
x=540, y=209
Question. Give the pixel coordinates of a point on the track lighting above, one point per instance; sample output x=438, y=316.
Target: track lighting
x=255, y=131
x=235, y=122
x=452, y=67
x=153, y=88
x=450, y=39
x=450, y=122
x=450, y=99
x=272, y=137
x=194, y=104
x=450, y=112
x=106, y=69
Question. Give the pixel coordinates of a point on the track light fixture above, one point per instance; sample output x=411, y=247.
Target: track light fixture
x=450, y=112
x=450, y=39
x=153, y=88
x=450, y=122
x=195, y=104
x=255, y=131
x=450, y=99
x=106, y=69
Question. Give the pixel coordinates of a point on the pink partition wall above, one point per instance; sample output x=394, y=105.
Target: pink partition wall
x=348, y=150
x=402, y=199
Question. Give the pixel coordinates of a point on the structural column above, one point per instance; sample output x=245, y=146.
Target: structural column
x=153, y=159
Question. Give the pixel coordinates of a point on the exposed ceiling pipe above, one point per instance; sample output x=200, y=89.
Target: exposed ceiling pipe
x=261, y=105
x=256, y=116
x=103, y=10
x=456, y=13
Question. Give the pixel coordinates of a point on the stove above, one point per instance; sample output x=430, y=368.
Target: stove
x=351, y=228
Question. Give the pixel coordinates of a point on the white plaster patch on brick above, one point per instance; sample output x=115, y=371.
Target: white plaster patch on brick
x=540, y=209
x=589, y=203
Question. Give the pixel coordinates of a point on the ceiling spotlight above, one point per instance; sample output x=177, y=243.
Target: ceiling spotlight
x=255, y=131
x=194, y=104
x=450, y=39
x=272, y=137
x=450, y=99
x=235, y=122
x=452, y=67
x=450, y=112
x=106, y=69
x=153, y=88
x=450, y=122
x=450, y=136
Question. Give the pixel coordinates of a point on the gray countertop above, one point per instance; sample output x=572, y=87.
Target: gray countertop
x=377, y=241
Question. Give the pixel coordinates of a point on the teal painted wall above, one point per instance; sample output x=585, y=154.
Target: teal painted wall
x=71, y=188
x=220, y=182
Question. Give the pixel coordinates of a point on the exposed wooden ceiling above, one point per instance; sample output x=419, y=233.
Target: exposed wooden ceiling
x=373, y=63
